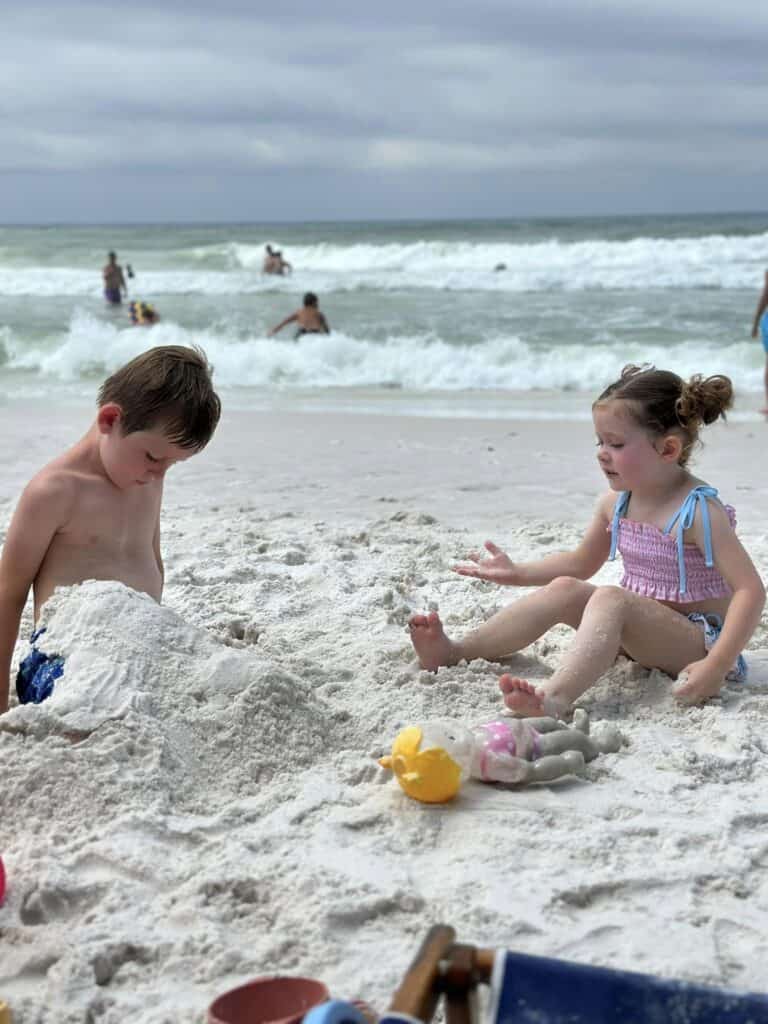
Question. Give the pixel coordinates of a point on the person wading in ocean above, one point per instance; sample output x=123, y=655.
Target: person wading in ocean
x=114, y=282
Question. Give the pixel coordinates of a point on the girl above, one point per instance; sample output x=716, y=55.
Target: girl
x=690, y=597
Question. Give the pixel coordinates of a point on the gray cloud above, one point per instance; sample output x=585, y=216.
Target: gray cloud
x=406, y=109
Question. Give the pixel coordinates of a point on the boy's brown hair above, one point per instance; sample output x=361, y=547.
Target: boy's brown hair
x=169, y=386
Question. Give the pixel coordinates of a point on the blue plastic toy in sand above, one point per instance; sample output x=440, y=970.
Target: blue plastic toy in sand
x=335, y=1011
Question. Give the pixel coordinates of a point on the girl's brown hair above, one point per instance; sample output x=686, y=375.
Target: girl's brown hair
x=661, y=402
x=169, y=386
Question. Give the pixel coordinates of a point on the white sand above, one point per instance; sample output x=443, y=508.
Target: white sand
x=199, y=802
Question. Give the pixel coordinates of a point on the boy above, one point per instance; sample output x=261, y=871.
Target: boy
x=309, y=318
x=94, y=512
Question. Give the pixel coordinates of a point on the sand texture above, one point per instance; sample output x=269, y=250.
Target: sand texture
x=200, y=803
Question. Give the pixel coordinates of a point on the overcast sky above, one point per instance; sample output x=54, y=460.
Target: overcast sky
x=321, y=109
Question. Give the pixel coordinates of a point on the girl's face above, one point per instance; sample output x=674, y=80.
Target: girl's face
x=626, y=452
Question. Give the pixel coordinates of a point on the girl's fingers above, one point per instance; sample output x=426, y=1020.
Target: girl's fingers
x=491, y=548
x=469, y=570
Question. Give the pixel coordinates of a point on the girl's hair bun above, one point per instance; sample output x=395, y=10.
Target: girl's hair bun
x=704, y=399
x=661, y=401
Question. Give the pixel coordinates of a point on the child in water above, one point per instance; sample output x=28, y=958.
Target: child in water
x=690, y=597
x=309, y=319
x=143, y=314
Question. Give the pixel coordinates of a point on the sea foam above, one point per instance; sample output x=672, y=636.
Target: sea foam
x=91, y=348
x=712, y=261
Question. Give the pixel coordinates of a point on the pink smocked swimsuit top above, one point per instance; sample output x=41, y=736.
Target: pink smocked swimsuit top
x=658, y=565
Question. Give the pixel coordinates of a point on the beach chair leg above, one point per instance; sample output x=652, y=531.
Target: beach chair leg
x=419, y=992
x=459, y=983
x=458, y=1008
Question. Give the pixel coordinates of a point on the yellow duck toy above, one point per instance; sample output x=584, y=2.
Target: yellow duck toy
x=422, y=764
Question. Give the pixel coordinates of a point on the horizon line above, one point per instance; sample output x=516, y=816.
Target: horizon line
x=382, y=220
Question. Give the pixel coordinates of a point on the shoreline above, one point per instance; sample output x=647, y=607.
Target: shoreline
x=482, y=404
x=472, y=472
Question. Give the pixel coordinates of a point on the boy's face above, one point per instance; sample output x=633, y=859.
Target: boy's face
x=135, y=459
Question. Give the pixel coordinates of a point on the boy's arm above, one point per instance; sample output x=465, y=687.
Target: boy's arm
x=324, y=322
x=762, y=305
x=42, y=508
x=582, y=562
x=282, y=324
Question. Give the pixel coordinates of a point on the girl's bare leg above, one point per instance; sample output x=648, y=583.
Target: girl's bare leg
x=613, y=619
x=511, y=629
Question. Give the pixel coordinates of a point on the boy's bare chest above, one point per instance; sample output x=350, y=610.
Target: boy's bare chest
x=108, y=536
x=106, y=517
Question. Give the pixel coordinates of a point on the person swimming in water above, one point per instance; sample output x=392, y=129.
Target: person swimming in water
x=309, y=319
x=142, y=314
x=274, y=262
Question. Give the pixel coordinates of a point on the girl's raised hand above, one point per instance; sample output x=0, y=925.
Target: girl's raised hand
x=498, y=567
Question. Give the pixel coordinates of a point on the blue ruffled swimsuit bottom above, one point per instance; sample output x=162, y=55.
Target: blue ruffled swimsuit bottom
x=712, y=626
x=37, y=673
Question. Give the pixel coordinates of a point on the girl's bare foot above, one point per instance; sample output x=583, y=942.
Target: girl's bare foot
x=521, y=697
x=432, y=645
x=528, y=702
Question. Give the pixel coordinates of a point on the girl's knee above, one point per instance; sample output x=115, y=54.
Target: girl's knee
x=609, y=598
x=570, y=595
x=569, y=586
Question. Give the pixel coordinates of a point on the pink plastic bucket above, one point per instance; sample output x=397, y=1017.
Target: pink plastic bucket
x=268, y=1001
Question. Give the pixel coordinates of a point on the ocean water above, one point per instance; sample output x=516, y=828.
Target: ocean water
x=422, y=319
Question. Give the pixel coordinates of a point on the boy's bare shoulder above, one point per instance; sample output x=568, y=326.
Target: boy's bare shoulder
x=55, y=484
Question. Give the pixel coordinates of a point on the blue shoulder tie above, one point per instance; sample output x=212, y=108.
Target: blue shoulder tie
x=619, y=509
x=686, y=514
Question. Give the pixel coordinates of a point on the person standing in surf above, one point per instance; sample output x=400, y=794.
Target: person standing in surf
x=114, y=282
x=760, y=325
